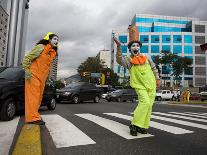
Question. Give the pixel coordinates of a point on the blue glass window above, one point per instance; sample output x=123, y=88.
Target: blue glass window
x=144, y=49
x=177, y=39
x=166, y=48
x=187, y=39
x=188, y=50
x=167, y=29
x=119, y=68
x=166, y=38
x=144, y=38
x=155, y=49
x=177, y=49
x=123, y=39
x=144, y=29
x=124, y=49
x=155, y=39
x=151, y=20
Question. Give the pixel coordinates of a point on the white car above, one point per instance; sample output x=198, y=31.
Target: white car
x=165, y=95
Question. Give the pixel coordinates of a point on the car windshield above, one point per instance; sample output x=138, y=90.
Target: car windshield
x=73, y=85
x=10, y=73
x=117, y=91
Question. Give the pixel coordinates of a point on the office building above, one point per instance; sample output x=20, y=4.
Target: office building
x=179, y=35
x=105, y=57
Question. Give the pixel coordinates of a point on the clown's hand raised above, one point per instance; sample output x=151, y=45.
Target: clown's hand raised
x=116, y=41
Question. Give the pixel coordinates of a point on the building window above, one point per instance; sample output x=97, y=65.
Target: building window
x=124, y=49
x=199, y=39
x=144, y=49
x=155, y=49
x=166, y=48
x=177, y=49
x=119, y=68
x=199, y=60
x=2, y=56
x=200, y=28
x=123, y=39
x=155, y=39
x=198, y=50
x=177, y=39
x=144, y=38
x=189, y=71
x=200, y=81
x=2, y=63
x=188, y=50
x=200, y=71
x=187, y=39
x=166, y=38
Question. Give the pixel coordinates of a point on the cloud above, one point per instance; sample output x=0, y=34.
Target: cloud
x=84, y=27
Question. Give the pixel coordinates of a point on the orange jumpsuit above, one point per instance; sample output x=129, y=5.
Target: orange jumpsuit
x=34, y=87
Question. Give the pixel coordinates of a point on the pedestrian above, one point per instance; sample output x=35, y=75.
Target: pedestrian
x=187, y=96
x=37, y=65
x=144, y=78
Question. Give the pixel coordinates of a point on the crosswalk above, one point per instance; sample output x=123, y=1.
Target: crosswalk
x=66, y=134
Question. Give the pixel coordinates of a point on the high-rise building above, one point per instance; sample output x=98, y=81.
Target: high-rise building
x=16, y=30
x=179, y=35
x=3, y=35
x=105, y=56
x=53, y=69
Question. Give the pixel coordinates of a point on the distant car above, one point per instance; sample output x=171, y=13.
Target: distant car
x=195, y=96
x=203, y=96
x=78, y=92
x=165, y=95
x=12, y=83
x=122, y=95
x=104, y=95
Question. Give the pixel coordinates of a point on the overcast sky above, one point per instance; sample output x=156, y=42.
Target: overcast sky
x=84, y=26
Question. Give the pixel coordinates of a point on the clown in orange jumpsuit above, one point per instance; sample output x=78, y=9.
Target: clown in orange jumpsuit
x=37, y=65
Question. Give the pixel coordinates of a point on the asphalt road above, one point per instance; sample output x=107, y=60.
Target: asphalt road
x=102, y=128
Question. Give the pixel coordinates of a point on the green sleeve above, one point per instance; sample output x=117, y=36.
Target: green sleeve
x=34, y=53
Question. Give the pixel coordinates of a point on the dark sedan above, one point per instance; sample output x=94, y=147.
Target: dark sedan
x=78, y=92
x=122, y=95
x=12, y=92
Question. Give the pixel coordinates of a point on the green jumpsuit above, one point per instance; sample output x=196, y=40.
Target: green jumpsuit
x=143, y=80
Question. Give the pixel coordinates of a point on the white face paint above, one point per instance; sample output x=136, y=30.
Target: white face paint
x=135, y=49
x=54, y=41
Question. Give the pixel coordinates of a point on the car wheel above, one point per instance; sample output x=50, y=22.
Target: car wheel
x=51, y=105
x=109, y=100
x=8, y=110
x=134, y=100
x=96, y=99
x=75, y=99
x=118, y=99
x=159, y=98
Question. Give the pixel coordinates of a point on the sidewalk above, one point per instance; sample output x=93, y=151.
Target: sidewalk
x=200, y=104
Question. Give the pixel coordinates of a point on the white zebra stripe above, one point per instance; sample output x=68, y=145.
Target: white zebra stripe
x=64, y=133
x=193, y=115
x=201, y=114
x=167, y=128
x=184, y=117
x=7, y=131
x=115, y=127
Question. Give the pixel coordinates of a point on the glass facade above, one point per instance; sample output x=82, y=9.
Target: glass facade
x=187, y=39
x=155, y=49
x=152, y=20
x=166, y=48
x=144, y=38
x=166, y=39
x=188, y=49
x=124, y=49
x=177, y=49
x=123, y=39
x=155, y=39
x=144, y=49
x=177, y=39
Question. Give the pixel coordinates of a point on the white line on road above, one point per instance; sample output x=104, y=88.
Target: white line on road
x=115, y=127
x=180, y=122
x=7, y=131
x=167, y=128
x=193, y=115
x=64, y=133
x=184, y=117
x=202, y=114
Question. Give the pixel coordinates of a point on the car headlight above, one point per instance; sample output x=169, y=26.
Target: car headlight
x=66, y=93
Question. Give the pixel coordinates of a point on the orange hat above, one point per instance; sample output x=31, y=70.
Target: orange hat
x=133, y=35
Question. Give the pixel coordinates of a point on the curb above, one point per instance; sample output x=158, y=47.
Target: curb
x=29, y=141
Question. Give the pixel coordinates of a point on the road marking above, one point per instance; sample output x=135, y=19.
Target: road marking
x=187, y=105
x=64, y=133
x=180, y=122
x=7, y=131
x=29, y=141
x=193, y=115
x=116, y=127
x=205, y=114
x=184, y=117
x=167, y=128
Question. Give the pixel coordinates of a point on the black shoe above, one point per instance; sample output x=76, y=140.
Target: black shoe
x=38, y=122
x=141, y=130
x=133, y=130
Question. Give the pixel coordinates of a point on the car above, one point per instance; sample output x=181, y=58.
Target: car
x=12, y=83
x=104, y=95
x=165, y=95
x=120, y=95
x=203, y=96
x=79, y=92
x=195, y=96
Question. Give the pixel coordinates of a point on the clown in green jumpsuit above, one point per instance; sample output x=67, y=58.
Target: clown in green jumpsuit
x=144, y=78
